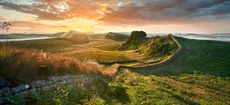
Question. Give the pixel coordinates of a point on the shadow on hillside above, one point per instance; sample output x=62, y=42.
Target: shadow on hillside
x=205, y=57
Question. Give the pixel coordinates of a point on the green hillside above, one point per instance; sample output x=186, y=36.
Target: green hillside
x=199, y=75
x=209, y=57
x=190, y=79
x=149, y=50
x=158, y=46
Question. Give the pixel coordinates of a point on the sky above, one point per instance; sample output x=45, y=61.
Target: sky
x=99, y=16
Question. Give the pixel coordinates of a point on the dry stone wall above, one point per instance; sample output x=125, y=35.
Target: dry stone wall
x=45, y=85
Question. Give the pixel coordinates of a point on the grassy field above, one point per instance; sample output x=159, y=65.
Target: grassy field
x=56, y=45
x=131, y=88
x=186, y=89
x=99, y=49
x=25, y=65
x=199, y=75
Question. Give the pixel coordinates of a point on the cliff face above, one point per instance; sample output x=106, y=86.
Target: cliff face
x=135, y=40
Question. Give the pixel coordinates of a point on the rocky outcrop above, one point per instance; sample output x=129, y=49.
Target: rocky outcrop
x=135, y=40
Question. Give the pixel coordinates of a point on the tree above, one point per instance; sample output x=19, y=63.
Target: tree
x=5, y=27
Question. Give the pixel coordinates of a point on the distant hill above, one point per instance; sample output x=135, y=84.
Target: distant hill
x=117, y=36
x=59, y=34
x=21, y=35
x=75, y=37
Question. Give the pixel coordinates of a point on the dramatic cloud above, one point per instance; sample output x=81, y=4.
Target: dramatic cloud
x=58, y=9
x=158, y=11
x=126, y=11
x=119, y=13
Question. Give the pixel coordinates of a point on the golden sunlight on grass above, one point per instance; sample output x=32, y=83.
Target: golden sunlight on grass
x=29, y=65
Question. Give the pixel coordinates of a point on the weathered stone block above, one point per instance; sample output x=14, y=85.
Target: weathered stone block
x=38, y=83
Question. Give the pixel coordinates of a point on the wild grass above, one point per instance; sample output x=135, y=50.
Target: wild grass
x=27, y=64
x=84, y=91
x=183, y=90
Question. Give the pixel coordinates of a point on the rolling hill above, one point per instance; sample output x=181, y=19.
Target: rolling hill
x=197, y=75
x=76, y=37
x=209, y=57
